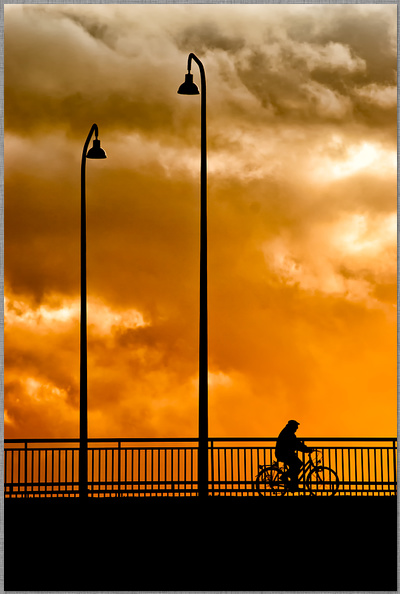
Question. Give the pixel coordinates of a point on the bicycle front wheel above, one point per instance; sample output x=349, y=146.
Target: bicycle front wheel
x=269, y=482
x=322, y=481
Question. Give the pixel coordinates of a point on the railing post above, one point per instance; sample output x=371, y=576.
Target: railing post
x=26, y=469
x=119, y=468
x=212, y=466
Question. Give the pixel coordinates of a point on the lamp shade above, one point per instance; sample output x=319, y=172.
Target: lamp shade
x=96, y=152
x=188, y=87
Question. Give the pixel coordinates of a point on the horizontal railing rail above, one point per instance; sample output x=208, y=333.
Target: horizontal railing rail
x=168, y=467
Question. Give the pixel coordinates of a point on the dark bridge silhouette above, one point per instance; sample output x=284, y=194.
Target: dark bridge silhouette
x=145, y=527
x=168, y=467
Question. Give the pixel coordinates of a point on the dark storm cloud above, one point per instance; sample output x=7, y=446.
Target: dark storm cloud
x=311, y=73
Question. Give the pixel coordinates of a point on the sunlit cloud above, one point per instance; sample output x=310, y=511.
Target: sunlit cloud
x=367, y=237
x=338, y=259
x=101, y=317
x=384, y=96
x=343, y=160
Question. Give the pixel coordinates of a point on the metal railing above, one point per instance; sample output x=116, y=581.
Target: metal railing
x=168, y=467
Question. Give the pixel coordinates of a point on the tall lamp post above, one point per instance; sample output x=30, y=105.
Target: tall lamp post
x=190, y=88
x=96, y=152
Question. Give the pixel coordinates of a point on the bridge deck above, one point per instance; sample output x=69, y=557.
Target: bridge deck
x=346, y=543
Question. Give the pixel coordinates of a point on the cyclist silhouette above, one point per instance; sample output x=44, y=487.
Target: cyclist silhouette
x=287, y=445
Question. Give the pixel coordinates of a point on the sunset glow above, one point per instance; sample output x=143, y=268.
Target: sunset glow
x=302, y=151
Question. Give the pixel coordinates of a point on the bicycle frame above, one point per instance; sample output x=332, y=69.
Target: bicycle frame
x=316, y=478
x=306, y=468
x=305, y=471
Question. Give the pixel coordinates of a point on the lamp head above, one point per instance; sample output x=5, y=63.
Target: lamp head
x=96, y=152
x=188, y=87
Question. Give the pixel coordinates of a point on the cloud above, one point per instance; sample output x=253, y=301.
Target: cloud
x=383, y=96
x=301, y=116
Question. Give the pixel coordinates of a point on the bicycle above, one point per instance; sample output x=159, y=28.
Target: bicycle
x=318, y=479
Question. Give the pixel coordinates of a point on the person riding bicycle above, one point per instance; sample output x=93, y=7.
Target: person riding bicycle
x=286, y=447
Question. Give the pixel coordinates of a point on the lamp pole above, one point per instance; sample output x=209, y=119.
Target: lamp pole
x=96, y=152
x=189, y=88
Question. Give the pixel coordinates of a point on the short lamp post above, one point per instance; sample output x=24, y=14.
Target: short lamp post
x=190, y=88
x=96, y=152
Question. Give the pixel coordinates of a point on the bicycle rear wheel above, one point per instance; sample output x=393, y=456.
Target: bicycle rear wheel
x=269, y=482
x=322, y=481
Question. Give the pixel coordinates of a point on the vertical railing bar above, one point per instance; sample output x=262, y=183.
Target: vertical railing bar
x=152, y=468
x=159, y=466
x=74, y=470
x=107, y=469
x=225, y=479
x=70, y=450
x=39, y=473
x=119, y=469
x=6, y=470
x=370, y=477
x=387, y=471
x=67, y=469
x=184, y=458
x=186, y=453
x=253, y=452
x=245, y=470
x=46, y=469
x=12, y=470
x=165, y=457
x=145, y=469
x=103, y=476
x=102, y=466
x=111, y=482
x=239, y=471
x=219, y=469
x=172, y=468
x=232, y=476
x=178, y=456
x=52, y=471
x=100, y=477
x=181, y=474
x=126, y=471
x=7, y=484
x=19, y=471
x=362, y=468
x=47, y=465
x=388, y=468
x=104, y=452
x=33, y=468
x=238, y=468
x=133, y=471
x=25, y=468
x=349, y=469
x=355, y=468
x=192, y=464
x=212, y=466
x=336, y=459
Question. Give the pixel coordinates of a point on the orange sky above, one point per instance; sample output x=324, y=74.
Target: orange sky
x=301, y=107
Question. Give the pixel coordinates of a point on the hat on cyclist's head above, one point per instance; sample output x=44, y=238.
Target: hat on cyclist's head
x=293, y=423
